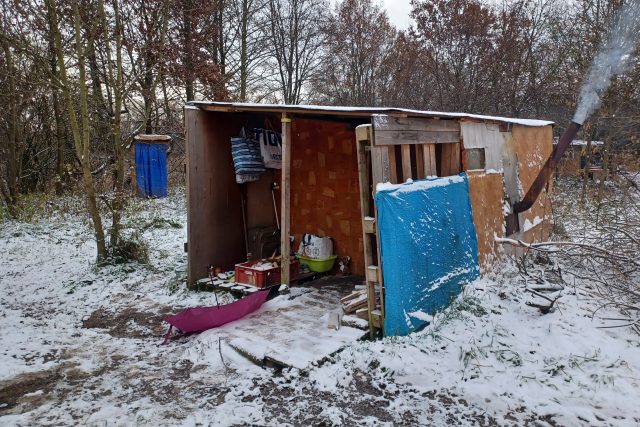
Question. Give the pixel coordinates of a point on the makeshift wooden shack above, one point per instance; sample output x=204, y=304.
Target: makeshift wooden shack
x=580, y=156
x=333, y=159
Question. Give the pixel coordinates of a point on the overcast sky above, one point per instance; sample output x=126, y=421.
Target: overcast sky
x=398, y=11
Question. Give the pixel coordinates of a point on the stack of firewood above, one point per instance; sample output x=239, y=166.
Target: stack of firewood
x=355, y=301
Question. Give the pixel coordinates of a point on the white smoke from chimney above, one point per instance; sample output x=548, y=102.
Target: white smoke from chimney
x=613, y=58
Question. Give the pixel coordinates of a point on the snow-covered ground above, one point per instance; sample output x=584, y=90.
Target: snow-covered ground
x=80, y=346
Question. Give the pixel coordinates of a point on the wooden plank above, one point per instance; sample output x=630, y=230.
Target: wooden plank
x=382, y=297
x=420, y=161
x=352, y=296
x=214, y=212
x=285, y=203
x=363, y=133
x=380, y=163
x=429, y=156
x=379, y=171
x=372, y=273
x=283, y=110
x=385, y=122
x=393, y=164
x=371, y=305
x=415, y=137
x=406, y=162
x=369, y=224
x=353, y=321
x=455, y=166
x=362, y=313
x=334, y=321
x=445, y=160
x=357, y=303
x=378, y=319
x=365, y=194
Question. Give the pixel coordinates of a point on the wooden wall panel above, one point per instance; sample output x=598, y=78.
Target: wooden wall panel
x=214, y=216
x=260, y=211
x=533, y=146
x=486, y=191
x=324, y=186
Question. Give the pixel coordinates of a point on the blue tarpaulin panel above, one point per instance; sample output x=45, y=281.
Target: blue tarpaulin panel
x=151, y=169
x=428, y=246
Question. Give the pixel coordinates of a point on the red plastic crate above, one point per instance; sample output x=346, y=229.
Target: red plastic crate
x=263, y=278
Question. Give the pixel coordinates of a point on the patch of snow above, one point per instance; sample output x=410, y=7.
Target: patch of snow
x=487, y=359
x=528, y=225
x=422, y=184
x=239, y=106
x=421, y=315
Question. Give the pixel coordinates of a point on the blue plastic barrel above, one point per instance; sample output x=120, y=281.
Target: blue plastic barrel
x=151, y=169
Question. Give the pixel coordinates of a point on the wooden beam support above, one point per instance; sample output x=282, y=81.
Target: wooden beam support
x=285, y=203
x=380, y=166
x=420, y=161
x=456, y=166
x=393, y=164
x=416, y=137
x=387, y=123
x=429, y=156
x=372, y=274
x=390, y=130
x=406, y=162
x=363, y=133
x=369, y=225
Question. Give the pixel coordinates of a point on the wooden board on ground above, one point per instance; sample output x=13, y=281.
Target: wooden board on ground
x=289, y=332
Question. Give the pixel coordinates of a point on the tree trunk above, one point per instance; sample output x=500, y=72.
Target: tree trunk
x=79, y=130
x=244, y=61
x=115, y=80
x=11, y=194
x=60, y=130
x=187, y=9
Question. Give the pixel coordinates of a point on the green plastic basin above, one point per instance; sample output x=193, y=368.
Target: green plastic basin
x=318, y=265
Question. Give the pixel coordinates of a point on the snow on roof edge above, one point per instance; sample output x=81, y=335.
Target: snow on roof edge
x=371, y=110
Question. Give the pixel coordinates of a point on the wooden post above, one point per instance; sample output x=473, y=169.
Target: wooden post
x=285, y=203
x=406, y=162
x=429, y=154
x=419, y=161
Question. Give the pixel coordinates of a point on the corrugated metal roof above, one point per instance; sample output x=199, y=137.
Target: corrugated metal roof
x=355, y=111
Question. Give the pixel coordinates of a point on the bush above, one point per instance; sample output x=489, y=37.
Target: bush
x=130, y=247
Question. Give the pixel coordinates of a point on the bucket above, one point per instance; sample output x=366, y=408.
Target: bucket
x=318, y=265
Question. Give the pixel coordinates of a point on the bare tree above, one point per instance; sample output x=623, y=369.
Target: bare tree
x=359, y=41
x=296, y=42
x=80, y=127
x=242, y=46
x=145, y=27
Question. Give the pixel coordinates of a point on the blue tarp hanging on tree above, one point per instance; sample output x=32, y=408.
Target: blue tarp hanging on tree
x=151, y=169
x=428, y=246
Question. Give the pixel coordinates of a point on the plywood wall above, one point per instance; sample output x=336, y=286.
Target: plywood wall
x=324, y=186
x=259, y=201
x=486, y=193
x=214, y=216
x=533, y=146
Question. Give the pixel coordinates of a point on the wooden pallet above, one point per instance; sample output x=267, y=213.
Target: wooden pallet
x=395, y=149
x=373, y=167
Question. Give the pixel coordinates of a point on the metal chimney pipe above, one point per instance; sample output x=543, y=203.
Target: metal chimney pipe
x=548, y=168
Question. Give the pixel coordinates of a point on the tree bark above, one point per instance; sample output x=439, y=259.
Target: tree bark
x=115, y=79
x=187, y=22
x=80, y=130
x=11, y=195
